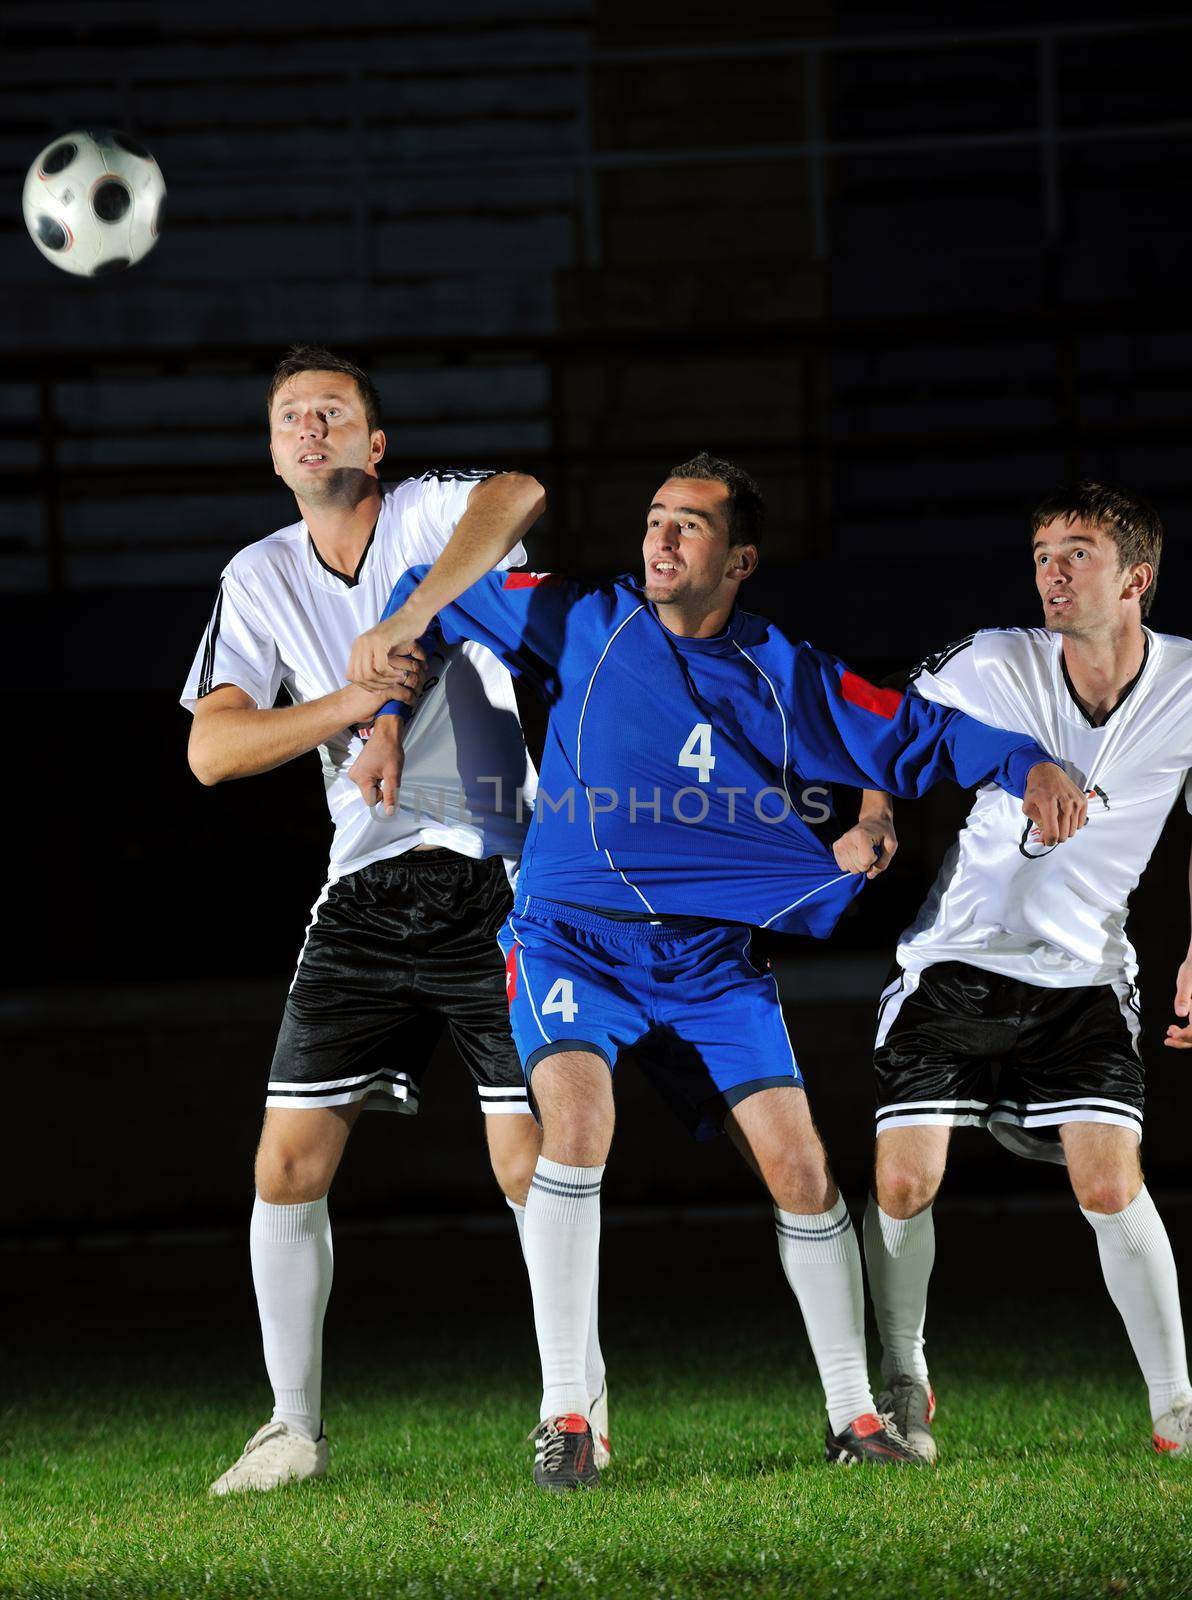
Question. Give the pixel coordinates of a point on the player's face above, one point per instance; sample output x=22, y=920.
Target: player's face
x=686, y=548
x=1078, y=577
x=319, y=437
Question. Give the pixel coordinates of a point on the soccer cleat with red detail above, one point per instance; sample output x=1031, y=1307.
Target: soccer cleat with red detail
x=870, y=1438
x=910, y=1402
x=564, y=1457
x=1173, y=1430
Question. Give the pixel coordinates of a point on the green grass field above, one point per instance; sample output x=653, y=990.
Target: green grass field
x=136, y=1380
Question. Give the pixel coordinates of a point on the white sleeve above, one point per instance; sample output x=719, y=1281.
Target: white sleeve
x=1188, y=789
x=237, y=648
x=430, y=515
x=953, y=677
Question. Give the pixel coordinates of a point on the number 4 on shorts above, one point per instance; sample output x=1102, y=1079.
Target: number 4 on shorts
x=561, y=1000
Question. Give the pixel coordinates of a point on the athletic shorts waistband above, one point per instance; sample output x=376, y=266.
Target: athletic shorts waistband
x=611, y=927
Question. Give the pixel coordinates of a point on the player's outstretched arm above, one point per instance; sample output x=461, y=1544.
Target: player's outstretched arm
x=870, y=844
x=1179, y=1037
x=850, y=731
x=501, y=511
x=231, y=737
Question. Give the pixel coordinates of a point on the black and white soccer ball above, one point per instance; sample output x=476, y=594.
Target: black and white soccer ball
x=93, y=201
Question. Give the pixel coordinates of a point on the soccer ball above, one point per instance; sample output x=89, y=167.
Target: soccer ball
x=93, y=202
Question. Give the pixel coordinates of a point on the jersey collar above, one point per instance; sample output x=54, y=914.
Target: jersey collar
x=331, y=577
x=1074, y=700
x=718, y=644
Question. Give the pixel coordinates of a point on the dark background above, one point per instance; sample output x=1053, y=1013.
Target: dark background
x=912, y=267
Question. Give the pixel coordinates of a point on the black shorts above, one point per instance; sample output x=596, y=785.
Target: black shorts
x=958, y=1046
x=394, y=953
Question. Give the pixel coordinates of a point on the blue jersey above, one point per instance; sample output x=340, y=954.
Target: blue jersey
x=682, y=777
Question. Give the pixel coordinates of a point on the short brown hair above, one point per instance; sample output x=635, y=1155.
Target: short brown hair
x=746, y=508
x=313, y=358
x=1130, y=522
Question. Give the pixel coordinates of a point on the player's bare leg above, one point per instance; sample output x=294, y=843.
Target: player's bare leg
x=300, y=1151
x=900, y=1253
x=817, y=1246
x=574, y=1093
x=1139, y=1269
x=290, y=1244
x=514, y=1145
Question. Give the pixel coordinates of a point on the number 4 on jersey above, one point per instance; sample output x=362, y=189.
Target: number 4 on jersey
x=561, y=999
x=697, y=752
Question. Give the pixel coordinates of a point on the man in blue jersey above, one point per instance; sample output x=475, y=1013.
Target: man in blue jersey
x=688, y=746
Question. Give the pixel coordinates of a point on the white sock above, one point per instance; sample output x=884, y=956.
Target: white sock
x=900, y=1253
x=562, y=1242
x=594, y=1355
x=1140, y=1275
x=291, y=1271
x=822, y=1263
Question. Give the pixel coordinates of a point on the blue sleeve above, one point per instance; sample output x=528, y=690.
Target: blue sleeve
x=846, y=730
x=520, y=616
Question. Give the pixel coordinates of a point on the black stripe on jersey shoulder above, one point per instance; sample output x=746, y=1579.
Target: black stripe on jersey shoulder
x=207, y=670
x=936, y=663
x=459, y=474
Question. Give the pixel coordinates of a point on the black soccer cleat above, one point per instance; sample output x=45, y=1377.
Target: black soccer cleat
x=870, y=1439
x=564, y=1457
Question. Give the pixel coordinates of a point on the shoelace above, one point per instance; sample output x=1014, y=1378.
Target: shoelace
x=272, y=1430
x=886, y=1418
x=552, y=1442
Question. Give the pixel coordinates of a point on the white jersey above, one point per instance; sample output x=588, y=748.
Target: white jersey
x=285, y=620
x=1004, y=901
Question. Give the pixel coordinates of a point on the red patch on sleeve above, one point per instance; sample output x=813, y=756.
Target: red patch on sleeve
x=858, y=692
x=527, y=580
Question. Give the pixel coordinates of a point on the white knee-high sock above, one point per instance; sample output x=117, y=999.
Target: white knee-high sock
x=1140, y=1275
x=291, y=1271
x=900, y=1253
x=562, y=1241
x=822, y=1263
x=593, y=1355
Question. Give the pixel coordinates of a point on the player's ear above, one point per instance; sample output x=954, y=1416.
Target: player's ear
x=273, y=458
x=1142, y=575
x=742, y=559
x=376, y=447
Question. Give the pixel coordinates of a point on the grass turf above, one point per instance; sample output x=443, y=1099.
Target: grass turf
x=141, y=1379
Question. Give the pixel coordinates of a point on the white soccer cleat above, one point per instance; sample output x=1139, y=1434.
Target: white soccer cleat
x=274, y=1455
x=911, y=1403
x=602, y=1448
x=1173, y=1430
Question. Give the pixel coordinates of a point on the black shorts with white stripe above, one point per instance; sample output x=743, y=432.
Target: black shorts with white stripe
x=396, y=953
x=958, y=1046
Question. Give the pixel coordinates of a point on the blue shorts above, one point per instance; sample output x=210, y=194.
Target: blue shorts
x=684, y=1003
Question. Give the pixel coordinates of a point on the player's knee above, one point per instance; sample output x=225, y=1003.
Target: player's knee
x=513, y=1169
x=577, y=1135
x=1106, y=1192
x=905, y=1190
x=288, y=1175
x=802, y=1186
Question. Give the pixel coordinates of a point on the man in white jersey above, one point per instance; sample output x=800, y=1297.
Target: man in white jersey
x=1013, y=1004
x=402, y=938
